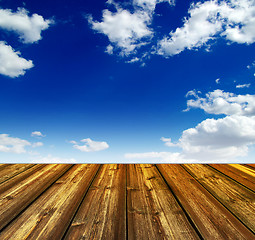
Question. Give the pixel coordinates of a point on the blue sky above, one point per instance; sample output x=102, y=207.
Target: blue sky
x=127, y=81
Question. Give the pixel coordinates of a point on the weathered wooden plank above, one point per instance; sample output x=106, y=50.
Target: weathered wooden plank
x=238, y=199
x=20, y=177
x=251, y=165
x=18, y=197
x=240, y=173
x=8, y=171
x=153, y=212
x=211, y=218
x=102, y=214
x=50, y=215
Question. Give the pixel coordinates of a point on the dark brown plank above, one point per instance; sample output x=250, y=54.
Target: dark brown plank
x=211, y=218
x=240, y=173
x=102, y=214
x=153, y=212
x=20, y=177
x=238, y=199
x=7, y=171
x=15, y=199
x=50, y=215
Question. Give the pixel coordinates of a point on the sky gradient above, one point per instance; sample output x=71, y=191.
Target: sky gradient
x=127, y=81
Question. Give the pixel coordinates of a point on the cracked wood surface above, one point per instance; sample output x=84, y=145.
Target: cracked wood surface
x=127, y=201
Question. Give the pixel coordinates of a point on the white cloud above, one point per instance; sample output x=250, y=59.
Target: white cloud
x=149, y=5
x=168, y=142
x=90, y=145
x=37, y=144
x=11, y=64
x=224, y=138
x=243, y=85
x=124, y=29
x=28, y=28
x=109, y=49
x=234, y=20
x=12, y=145
x=37, y=134
x=217, y=80
x=160, y=157
x=220, y=102
x=51, y=159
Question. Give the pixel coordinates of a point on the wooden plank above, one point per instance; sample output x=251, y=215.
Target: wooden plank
x=153, y=212
x=8, y=171
x=20, y=177
x=15, y=199
x=240, y=173
x=50, y=215
x=251, y=165
x=238, y=199
x=102, y=214
x=211, y=218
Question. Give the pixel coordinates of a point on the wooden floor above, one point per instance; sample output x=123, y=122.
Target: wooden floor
x=114, y=201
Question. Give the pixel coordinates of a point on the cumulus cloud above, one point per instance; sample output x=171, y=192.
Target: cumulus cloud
x=224, y=138
x=12, y=145
x=127, y=30
x=11, y=64
x=232, y=20
x=220, y=102
x=217, y=80
x=90, y=145
x=51, y=159
x=37, y=134
x=124, y=29
x=243, y=85
x=168, y=142
x=28, y=28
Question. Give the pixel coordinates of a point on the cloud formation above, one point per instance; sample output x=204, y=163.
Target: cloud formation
x=29, y=31
x=28, y=28
x=51, y=159
x=127, y=30
x=12, y=65
x=232, y=20
x=130, y=26
x=12, y=145
x=37, y=134
x=90, y=145
x=220, y=102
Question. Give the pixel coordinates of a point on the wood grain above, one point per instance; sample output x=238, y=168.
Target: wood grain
x=7, y=171
x=210, y=217
x=238, y=199
x=15, y=199
x=102, y=214
x=153, y=212
x=240, y=173
x=49, y=216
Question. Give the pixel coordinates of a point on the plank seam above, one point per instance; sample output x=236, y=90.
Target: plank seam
x=230, y=178
x=34, y=200
x=181, y=206
x=85, y=194
x=218, y=200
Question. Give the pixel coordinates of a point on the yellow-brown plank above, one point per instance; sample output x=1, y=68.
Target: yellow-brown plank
x=153, y=211
x=8, y=171
x=102, y=214
x=251, y=165
x=50, y=215
x=18, y=197
x=20, y=177
x=212, y=219
x=240, y=173
x=238, y=199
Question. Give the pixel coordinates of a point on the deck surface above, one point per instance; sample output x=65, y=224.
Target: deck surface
x=134, y=201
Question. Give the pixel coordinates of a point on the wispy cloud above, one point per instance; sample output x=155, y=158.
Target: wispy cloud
x=90, y=145
x=243, y=85
x=37, y=134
